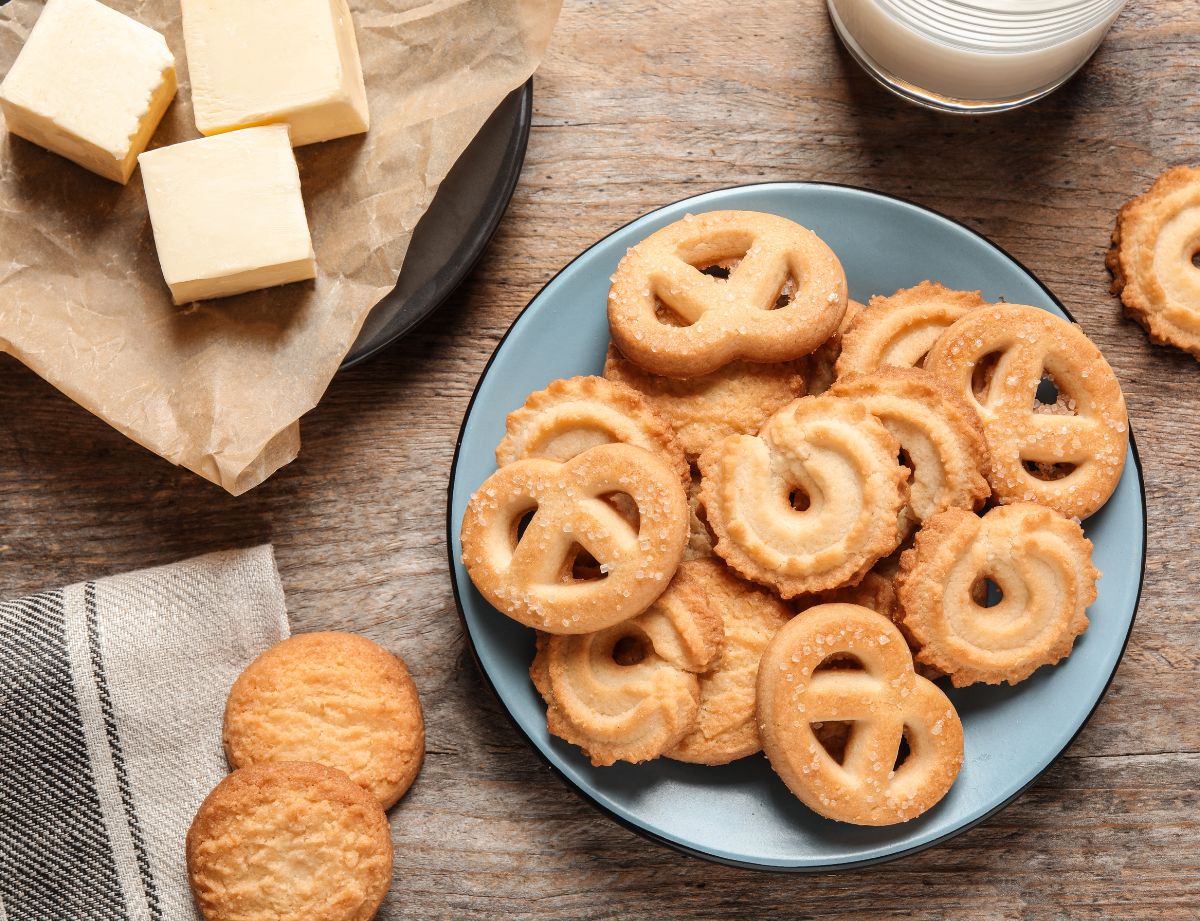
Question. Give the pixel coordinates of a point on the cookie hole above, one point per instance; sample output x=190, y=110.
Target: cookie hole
x=799, y=499
x=905, y=460
x=786, y=292
x=1047, y=472
x=1196, y=258
x=624, y=505
x=981, y=376
x=834, y=736
x=986, y=592
x=721, y=272
x=519, y=526
x=840, y=660
x=584, y=567
x=903, y=751
x=1050, y=399
x=630, y=650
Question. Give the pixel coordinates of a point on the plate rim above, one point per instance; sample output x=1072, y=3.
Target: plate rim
x=647, y=833
x=514, y=164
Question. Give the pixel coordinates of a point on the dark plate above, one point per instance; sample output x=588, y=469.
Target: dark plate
x=456, y=229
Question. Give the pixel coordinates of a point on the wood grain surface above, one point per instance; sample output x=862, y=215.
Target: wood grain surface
x=642, y=102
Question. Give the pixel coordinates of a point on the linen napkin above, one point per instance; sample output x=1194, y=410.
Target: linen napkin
x=111, y=699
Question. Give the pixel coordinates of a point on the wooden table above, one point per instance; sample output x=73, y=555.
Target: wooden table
x=640, y=103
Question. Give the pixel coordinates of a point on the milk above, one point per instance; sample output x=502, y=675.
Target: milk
x=973, y=55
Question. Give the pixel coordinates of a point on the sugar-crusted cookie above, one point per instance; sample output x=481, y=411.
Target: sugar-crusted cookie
x=334, y=698
x=734, y=400
x=725, y=726
x=289, y=841
x=782, y=294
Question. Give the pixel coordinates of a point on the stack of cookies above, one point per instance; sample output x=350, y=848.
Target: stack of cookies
x=324, y=732
x=779, y=514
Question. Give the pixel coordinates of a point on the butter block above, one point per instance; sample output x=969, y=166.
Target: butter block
x=227, y=214
x=90, y=84
x=259, y=62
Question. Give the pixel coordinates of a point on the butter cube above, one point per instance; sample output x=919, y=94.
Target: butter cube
x=90, y=84
x=258, y=62
x=227, y=213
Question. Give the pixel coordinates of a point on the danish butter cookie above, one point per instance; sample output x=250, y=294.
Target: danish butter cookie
x=735, y=400
x=1152, y=259
x=899, y=330
x=822, y=363
x=630, y=692
x=547, y=544
x=940, y=435
x=289, y=841
x=811, y=502
x=725, y=728
x=572, y=415
x=1068, y=455
x=1042, y=565
x=873, y=687
x=722, y=286
x=334, y=698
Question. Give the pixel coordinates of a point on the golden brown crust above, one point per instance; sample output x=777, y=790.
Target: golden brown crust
x=939, y=432
x=785, y=295
x=529, y=575
x=1069, y=455
x=334, y=698
x=630, y=692
x=1156, y=237
x=578, y=413
x=725, y=726
x=884, y=699
x=899, y=330
x=1042, y=564
x=734, y=400
x=835, y=456
x=289, y=841
x=822, y=363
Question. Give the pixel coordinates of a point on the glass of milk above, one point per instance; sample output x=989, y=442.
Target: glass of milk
x=972, y=55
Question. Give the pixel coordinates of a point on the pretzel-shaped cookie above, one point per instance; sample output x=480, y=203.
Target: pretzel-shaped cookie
x=578, y=413
x=900, y=329
x=1068, y=455
x=811, y=502
x=784, y=295
x=528, y=574
x=883, y=698
x=630, y=692
x=1040, y=561
x=1152, y=257
x=940, y=437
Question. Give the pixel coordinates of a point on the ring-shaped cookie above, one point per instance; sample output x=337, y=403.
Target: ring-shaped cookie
x=811, y=502
x=884, y=700
x=900, y=329
x=940, y=436
x=1042, y=565
x=1068, y=455
x=578, y=413
x=1152, y=259
x=630, y=692
x=784, y=295
x=528, y=573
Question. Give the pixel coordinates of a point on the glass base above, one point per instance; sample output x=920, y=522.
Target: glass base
x=928, y=99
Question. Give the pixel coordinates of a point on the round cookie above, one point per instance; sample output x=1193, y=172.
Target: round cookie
x=289, y=841
x=337, y=699
x=734, y=400
x=725, y=727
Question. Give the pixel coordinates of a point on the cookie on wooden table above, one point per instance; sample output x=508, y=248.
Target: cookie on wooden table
x=289, y=841
x=334, y=698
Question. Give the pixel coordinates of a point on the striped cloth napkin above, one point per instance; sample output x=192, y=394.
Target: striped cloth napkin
x=111, y=698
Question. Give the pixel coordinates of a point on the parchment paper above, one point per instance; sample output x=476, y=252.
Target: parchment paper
x=219, y=386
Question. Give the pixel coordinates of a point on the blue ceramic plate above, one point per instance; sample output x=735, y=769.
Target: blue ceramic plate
x=742, y=813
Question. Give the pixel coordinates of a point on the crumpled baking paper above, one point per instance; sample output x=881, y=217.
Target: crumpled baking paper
x=219, y=386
